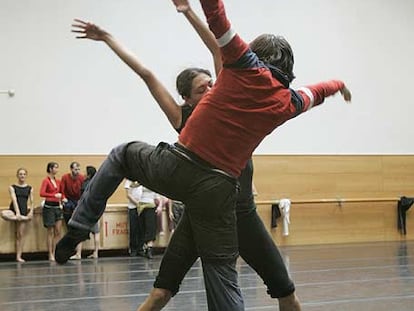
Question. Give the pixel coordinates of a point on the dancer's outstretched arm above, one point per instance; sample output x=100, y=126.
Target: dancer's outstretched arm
x=169, y=106
x=183, y=6
x=165, y=100
x=233, y=48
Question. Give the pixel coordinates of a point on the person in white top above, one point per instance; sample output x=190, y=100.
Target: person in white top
x=147, y=208
x=133, y=193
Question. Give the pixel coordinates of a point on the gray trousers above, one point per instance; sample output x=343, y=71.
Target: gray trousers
x=209, y=197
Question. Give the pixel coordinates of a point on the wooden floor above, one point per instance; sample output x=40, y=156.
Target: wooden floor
x=375, y=276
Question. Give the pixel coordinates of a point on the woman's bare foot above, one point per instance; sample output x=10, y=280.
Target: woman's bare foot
x=20, y=260
x=52, y=258
x=93, y=255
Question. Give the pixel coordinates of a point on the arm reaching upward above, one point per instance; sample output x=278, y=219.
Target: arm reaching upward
x=202, y=30
x=232, y=46
x=169, y=106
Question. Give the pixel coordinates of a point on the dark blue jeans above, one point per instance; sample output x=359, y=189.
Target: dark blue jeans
x=209, y=197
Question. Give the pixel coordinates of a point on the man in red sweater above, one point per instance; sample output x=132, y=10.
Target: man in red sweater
x=249, y=100
x=70, y=186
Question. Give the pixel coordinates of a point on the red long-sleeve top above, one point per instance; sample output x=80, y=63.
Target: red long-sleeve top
x=247, y=102
x=48, y=190
x=71, y=186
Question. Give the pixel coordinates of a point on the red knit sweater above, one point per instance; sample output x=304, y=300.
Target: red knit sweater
x=246, y=103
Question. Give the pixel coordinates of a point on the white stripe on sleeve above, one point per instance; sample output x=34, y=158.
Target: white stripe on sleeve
x=226, y=37
x=308, y=93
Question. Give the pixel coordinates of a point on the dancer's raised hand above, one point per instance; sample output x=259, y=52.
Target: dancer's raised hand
x=87, y=30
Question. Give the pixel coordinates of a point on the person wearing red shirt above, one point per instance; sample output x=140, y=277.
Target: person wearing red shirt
x=256, y=246
x=52, y=211
x=70, y=185
x=249, y=100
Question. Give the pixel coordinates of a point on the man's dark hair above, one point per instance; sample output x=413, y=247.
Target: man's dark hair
x=73, y=164
x=276, y=51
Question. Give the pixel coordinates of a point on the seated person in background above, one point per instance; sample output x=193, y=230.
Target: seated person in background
x=21, y=209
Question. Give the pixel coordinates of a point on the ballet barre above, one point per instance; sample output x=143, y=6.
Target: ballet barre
x=8, y=92
x=339, y=201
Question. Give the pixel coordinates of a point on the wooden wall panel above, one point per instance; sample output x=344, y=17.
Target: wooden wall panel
x=36, y=166
x=329, y=223
x=333, y=176
x=298, y=177
x=113, y=233
x=275, y=176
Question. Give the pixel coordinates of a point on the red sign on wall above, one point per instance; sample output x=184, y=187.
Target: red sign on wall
x=116, y=228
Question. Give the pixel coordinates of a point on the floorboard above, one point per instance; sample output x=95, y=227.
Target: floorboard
x=368, y=276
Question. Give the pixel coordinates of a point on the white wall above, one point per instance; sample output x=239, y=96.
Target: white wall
x=75, y=96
